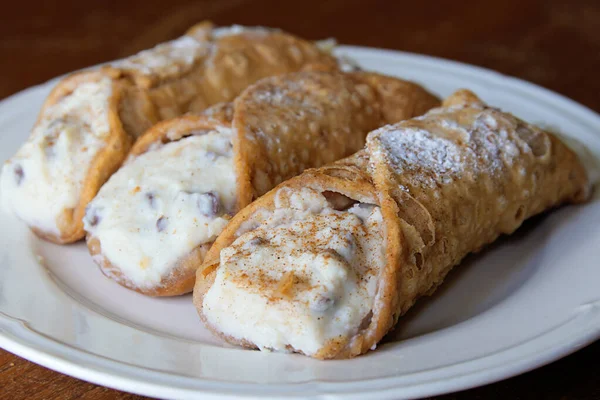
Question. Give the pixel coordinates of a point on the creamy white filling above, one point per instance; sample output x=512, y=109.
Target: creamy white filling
x=304, y=277
x=164, y=203
x=47, y=173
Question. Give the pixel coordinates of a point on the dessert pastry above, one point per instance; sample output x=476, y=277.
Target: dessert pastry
x=327, y=262
x=151, y=224
x=90, y=119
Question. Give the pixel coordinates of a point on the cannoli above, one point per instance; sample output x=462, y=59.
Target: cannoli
x=151, y=224
x=90, y=119
x=327, y=262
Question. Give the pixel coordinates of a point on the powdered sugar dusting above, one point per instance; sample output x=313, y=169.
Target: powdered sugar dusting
x=493, y=140
x=285, y=93
x=167, y=58
x=413, y=149
x=272, y=94
x=445, y=144
x=291, y=92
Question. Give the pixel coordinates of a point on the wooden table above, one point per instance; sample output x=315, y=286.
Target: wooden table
x=553, y=43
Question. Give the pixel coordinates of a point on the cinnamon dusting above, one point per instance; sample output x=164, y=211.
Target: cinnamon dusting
x=285, y=285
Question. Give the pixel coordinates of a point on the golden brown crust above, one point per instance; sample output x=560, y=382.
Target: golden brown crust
x=285, y=124
x=319, y=117
x=147, y=79
x=224, y=66
x=310, y=117
x=430, y=228
x=399, y=99
x=430, y=234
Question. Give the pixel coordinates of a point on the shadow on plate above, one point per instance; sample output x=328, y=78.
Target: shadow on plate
x=479, y=282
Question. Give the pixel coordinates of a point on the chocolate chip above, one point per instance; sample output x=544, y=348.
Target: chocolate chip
x=93, y=220
x=366, y=321
x=257, y=241
x=19, y=174
x=161, y=224
x=209, y=203
x=92, y=216
x=151, y=199
x=322, y=303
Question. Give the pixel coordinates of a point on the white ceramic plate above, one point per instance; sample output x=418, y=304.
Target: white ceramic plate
x=528, y=300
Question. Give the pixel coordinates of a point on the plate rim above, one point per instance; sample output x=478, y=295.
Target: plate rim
x=99, y=369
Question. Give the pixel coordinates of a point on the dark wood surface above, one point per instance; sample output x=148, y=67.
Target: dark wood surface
x=552, y=43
